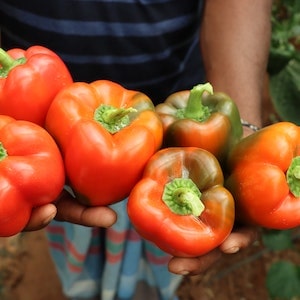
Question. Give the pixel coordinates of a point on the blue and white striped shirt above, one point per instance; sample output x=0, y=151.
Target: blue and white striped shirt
x=148, y=45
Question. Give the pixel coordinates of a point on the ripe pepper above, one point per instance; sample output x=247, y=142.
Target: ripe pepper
x=201, y=118
x=180, y=204
x=31, y=172
x=264, y=177
x=107, y=134
x=29, y=80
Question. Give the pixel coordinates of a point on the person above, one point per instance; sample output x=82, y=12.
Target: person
x=157, y=47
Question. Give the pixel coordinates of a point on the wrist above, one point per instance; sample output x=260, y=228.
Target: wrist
x=249, y=128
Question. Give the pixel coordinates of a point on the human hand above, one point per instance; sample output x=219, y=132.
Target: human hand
x=239, y=239
x=40, y=217
x=66, y=209
x=70, y=210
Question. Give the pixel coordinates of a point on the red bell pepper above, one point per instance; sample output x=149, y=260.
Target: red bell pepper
x=31, y=172
x=107, y=134
x=201, y=118
x=180, y=204
x=29, y=80
x=264, y=177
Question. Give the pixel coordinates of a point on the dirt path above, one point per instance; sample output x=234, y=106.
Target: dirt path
x=32, y=275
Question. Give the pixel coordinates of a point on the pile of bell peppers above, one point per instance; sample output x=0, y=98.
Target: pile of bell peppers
x=184, y=166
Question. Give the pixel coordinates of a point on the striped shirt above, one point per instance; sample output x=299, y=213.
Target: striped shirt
x=148, y=45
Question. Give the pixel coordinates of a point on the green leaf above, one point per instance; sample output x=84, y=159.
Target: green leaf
x=285, y=21
x=285, y=92
x=277, y=239
x=283, y=280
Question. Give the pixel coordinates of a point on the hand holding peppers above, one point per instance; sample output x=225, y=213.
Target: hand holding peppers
x=66, y=209
x=180, y=204
x=201, y=118
x=29, y=80
x=264, y=177
x=31, y=172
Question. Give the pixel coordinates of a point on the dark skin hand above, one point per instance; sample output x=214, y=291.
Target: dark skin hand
x=237, y=240
x=68, y=210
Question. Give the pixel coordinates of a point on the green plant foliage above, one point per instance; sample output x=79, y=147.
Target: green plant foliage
x=284, y=59
x=283, y=280
x=285, y=92
x=277, y=240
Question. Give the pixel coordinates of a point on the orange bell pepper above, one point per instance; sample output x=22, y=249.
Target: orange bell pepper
x=201, y=118
x=264, y=177
x=107, y=134
x=180, y=204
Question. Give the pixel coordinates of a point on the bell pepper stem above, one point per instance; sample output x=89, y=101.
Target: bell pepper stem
x=112, y=115
x=113, y=118
x=3, y=152
x=7, y=63
x=293, y=176
x=182, y=196
x=195, y=109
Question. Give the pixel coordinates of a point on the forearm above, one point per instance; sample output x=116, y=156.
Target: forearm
x=234, y=39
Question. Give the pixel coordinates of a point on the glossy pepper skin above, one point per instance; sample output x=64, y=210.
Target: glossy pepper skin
x=180, y=204
x=107, y=134
x=29, y=80
x=264, y=177
x=201, y=118
x=31, y=172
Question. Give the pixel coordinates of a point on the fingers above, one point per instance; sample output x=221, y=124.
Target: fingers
x=41, y=217
x=239, y=239
x=67, y=209
x=70, y=210
x=194, y=266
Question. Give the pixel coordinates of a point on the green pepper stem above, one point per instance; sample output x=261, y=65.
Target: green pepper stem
x=113, y=118
x=293, y=176
x=113, y=115
x=195, y=109
x=3, y=152
x=7, y=63
x=182, y=196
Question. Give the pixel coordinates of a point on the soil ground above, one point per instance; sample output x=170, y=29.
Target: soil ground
x=27, y=272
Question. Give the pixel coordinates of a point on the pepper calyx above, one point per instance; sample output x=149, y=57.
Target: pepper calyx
x=195, y=109
x=182, y=196
x=7, y=63
x=113, y=118
x=3, y=152
x=293, y=176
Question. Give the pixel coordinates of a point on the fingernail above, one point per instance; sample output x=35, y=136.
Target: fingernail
x=184, y=272
x=49, y=219
x=232, y=250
